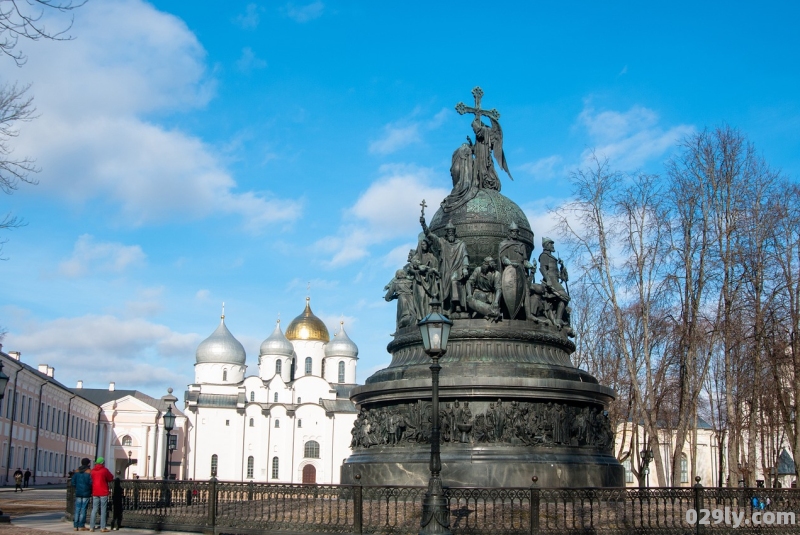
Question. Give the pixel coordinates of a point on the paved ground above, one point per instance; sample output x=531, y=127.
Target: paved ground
x=37, y=511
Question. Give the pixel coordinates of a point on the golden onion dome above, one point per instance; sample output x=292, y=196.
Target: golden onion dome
x=307, y=326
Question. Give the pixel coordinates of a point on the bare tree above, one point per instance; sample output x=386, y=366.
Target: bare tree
x=22, y=19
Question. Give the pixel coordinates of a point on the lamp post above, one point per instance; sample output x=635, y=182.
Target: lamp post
x=435, y=330
x=127, y=468
x=3, y=384
x=169, y=425
x=647, y=457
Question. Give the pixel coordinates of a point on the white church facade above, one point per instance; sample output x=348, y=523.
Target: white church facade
x=290, y=423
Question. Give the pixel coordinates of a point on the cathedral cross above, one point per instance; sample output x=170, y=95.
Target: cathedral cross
x=462, y=108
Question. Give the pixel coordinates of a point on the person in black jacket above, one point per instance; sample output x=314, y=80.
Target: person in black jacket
x=116, y=504
x=82, y=481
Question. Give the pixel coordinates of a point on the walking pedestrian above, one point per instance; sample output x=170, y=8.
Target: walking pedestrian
x=18, y=480
x=82, y=482
x=101, y=477
x=26, y=477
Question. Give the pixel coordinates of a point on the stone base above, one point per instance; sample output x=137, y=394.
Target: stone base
x=486, y=467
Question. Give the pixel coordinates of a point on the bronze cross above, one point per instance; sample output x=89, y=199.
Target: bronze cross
x=462, y=108
x=423, y=207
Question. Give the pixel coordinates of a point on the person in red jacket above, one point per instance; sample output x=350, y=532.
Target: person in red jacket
x=101, y=477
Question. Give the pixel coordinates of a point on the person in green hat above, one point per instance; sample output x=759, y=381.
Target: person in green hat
x=101, y=477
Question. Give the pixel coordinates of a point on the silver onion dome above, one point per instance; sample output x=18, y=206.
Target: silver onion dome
x=341, y=345
x=277, y=343
x=221, y=347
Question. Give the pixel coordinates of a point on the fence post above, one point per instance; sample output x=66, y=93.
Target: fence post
x=70, y=512
x=358, y=506
x=534, y=498
x=212, y=506
x=698, y=503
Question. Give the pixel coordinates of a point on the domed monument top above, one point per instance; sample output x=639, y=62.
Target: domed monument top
x=513, y=403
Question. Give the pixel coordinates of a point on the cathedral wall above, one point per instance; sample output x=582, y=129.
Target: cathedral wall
x=219, y=373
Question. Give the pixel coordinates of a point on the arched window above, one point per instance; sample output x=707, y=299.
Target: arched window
x=341, y=371
x=224, y=375
x=278, y=366
x=311, y=449
x=252, y=423
x=274, y=468
x=308, y=365
x=277, y=423
x=275, y=397
x=214, y=459
x=684, y=469
x=252, y=396
x=250, y=463
x=628, y=473
x=299, y=400
x=127, y=440
x=323, y=369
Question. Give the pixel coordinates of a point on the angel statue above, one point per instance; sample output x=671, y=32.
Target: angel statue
x=473, y=167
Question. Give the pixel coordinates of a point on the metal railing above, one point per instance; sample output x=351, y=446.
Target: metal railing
x=221, y=507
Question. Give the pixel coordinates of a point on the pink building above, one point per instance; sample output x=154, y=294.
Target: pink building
x=132, y=437
x=44, y=427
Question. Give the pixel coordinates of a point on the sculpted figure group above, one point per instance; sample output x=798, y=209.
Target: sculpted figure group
x=499, y=288
x=515, y=423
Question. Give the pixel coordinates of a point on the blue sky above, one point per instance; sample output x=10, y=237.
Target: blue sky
x=199, y=152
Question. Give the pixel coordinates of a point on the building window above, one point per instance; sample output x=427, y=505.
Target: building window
x=275, y=397
x=274, y=468
x=341, y=371
x=311, y=449
x=278, y=366
x=684, y=469
x=299, y=423
x=253, y=396
x=227, y=423
x=308, y=365
x=299, y=400
x=127, y=440
x=224, y=375
x=628, y=472
x=214, y=460
x=252, y=423
x=250, y=462
x=277, y=424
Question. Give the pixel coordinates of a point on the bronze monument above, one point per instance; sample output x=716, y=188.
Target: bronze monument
x=512, y=404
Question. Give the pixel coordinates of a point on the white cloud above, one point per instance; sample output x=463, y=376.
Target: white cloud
x=408, y=131
x=90, y=255
x=388, y=203
x=250, y=19
x=545, y=168
x=249, y=62
x=388, y=209
x=103, y=348
x=202, y=295
x=94, y=138
x=305, y=13
x=629, y=139
x=395, y=137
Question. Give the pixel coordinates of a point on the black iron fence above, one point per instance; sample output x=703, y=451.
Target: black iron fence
x=222, y=507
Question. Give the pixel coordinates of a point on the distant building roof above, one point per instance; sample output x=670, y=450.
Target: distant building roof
x=45, y=377
x=339, y=405
x=101, y=396
x=785, y=464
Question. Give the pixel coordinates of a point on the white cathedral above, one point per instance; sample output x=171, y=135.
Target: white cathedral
x=290, y=423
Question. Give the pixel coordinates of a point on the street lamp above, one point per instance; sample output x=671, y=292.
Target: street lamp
x=435, y=330
x=3, y=384
x=647, y=457
x=169, y=425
